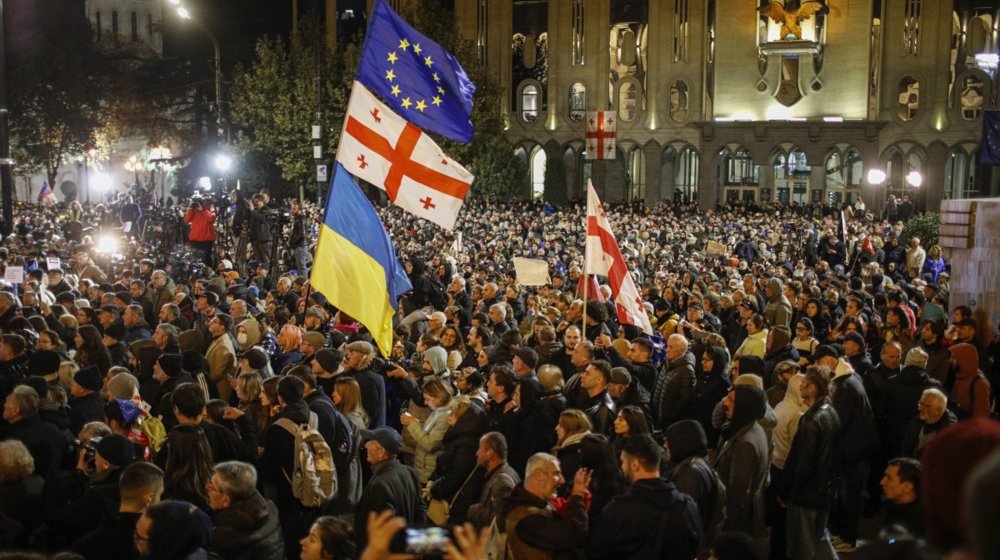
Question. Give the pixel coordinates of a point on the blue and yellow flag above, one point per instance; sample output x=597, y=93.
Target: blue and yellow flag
x=355, y=264
x=421, y=80
x=989, y=148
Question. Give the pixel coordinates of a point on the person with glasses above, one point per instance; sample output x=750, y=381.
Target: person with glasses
x=246, y=523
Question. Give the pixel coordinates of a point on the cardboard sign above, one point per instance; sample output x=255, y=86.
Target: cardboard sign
x=715, y=249
x=13, y=274
x=531, y=272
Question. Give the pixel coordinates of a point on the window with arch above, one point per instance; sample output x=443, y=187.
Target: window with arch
x=909, y=98
x=635, y=176
x=529, y=103
x=686, y=176
x=853, y=167
x=628, y=100
x=134, y=21
x=577, y=102
x=740, y=168
x=971, y=97
x=537, y=174
x=679, y=101
x=960, y=175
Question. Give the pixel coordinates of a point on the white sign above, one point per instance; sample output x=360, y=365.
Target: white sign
x=531, y=272
x=13, y=274
x=53, y=262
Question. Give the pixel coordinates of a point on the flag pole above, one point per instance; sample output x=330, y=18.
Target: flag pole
x=586, y=284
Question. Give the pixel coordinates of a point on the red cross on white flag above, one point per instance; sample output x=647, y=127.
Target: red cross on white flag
x=381, y=147
x=601, y=135
x=604, y=258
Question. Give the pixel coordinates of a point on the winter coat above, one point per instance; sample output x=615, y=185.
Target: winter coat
x=428, y=436
x=645, y=373
x=672, y=392
x=938, y=359
x=709, y=389
x=753, y=345
x=858, y=431
x=248, y=530
x=973, y=400
x=278, y=459
x=899, y=406
x=778, y=310
x=788, y=411
x=628, y=520
x=808, y=477
x=533, y=426
x=497, y=486
x=743, y=461
x=88, y=408
x=536, y=530
x=372, y=387
x=106, y=540
x=456, y=478
x=919, y=434
x=394, y=487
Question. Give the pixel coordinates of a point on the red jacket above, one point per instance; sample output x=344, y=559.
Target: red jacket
x=202, y=223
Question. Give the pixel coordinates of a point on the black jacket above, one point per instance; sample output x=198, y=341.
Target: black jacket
x=859, y=435
x=673, y=391
x=394, y=487
x=456, y=463
x=912, y=444
x=248, y=530
x=645, y=373
x=278, y=458
x=628, y=521
x=899, y=406
x=601, y=410
x=88, y=408
x=337, y=433
x=43, y=440
x=372, y=395
x=111, y=539
x=808, y=477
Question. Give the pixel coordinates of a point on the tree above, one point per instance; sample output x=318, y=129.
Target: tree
x=56, y=78
x=274, y=101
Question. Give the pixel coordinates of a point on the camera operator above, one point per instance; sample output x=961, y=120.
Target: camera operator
x=260, y=230
x=298, y=241
x=201, y=217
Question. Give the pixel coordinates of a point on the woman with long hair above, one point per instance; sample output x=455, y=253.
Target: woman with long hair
x=451, y=341
x=896, y=328
x=428, y=434
x=571, y=428
x=597, y=455
x=820, y=320
x=90, y=349
x=329, y=538
x=347, y=398
x=249, y=386
x=189, y=466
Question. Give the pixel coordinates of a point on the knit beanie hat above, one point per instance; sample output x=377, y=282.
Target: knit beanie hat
x=89, y=378
x=117, y=450
x=171, y=364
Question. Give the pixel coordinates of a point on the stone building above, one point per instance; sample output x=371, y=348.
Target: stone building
x=739, y=99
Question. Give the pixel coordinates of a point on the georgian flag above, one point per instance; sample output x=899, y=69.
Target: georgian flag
x=604, y=258
x=601, y=135
x=381, y=147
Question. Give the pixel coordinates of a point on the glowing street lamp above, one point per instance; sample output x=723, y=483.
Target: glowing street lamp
x=876, y=176
x=915, y=179
x=223, y=162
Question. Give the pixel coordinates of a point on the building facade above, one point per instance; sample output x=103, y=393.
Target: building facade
x=780, y=101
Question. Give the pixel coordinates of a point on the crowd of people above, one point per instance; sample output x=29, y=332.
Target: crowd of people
x=807, y=392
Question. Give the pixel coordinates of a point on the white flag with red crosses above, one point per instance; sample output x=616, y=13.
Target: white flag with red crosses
x=601, y=135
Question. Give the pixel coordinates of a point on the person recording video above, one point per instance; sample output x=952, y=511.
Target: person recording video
x=201, y=217
x=260, y=230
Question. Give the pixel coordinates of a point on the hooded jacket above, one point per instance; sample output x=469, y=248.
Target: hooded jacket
x=710, y=388
x=778, y=310
x=973, y=400
x=781, y=350
x=743, y=461
x=248, y=529
x=788, y=411
x=455, y=477
x=858, y=435
x=899, y=405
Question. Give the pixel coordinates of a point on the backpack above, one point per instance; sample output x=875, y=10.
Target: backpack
x=712, y=522
x=314, y=477
x=680, y=521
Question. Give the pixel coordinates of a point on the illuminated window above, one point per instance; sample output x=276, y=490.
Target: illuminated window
x=635, y=179
x=628, y=100
x=679, y=101
x=529, y=103
x=909, y=98
x=577, y=102
x=680, y=30
x=579, y=46
x=911, y=27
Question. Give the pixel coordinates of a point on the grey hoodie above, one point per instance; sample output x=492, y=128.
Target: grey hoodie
x=778, y=310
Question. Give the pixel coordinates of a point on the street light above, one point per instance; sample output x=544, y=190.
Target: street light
x=101, y=182
x=184, y=13
x=135, y=166
x=876, y=176
x=223, y=162
x=915, y=179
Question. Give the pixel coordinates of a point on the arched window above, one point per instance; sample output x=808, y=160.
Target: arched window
x=959, y=175
x=635, y=177
x=628, y=100
x=529, y=103
x=909, y=98
x=853, y=167
x=537, y=174
x=686, y=176
x=679, y=101
x=577, y=102
x=972, y=94
x=114, y=24
x=135, y=26
x=741, y=170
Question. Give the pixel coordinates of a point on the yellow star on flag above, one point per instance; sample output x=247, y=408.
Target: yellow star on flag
x=417, y=49
x=392, y=57
x=436, y=77
x=390, y=75
x=421, y=105
x=436, y=101
x=395, y=90
x=441, y=90
x=406, y=103
x=404, y=44
x=428, y=61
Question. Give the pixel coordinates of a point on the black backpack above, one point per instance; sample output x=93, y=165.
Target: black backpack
x=681, y=521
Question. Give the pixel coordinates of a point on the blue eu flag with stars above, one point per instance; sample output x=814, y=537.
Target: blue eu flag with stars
x=989, y=148
x=422, y=81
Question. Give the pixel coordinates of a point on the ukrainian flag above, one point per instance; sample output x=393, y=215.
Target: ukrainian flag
x=355, y=264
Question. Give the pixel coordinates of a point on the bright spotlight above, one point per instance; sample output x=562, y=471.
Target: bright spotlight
x=876, y=176
x=914, y=178
x=100, y=181
x=175, y=2
x=183, y=13
x=223, y=162
x=205, y=183
x=107, y=244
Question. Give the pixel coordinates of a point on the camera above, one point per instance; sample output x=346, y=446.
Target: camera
x=89, y=452
x=427, y=542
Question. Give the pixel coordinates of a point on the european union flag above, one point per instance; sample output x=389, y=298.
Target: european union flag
x=989, y=148
x=416, y=76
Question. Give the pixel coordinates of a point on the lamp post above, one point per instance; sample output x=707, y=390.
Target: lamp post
x=184, y=13
x=158, y=158
x=135, y=166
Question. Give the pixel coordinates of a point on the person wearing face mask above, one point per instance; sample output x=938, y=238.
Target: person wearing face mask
x=247, y=333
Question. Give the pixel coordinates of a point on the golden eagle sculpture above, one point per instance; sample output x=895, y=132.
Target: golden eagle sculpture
x=790, y=19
